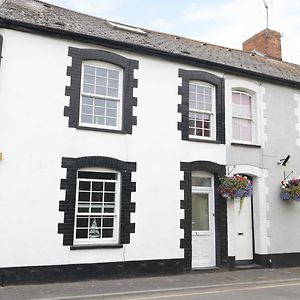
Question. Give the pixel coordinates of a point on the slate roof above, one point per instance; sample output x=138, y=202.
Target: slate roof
x=43, y=16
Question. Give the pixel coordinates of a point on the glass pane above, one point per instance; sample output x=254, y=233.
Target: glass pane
x=113, y=83
x=109, y=197
x=200, y=216
x=89, y=79
x=201, y=181
x=100, y=90
x=113, y=74
x=86, y=109
x=101, y=72
x=110, y=186
x=107, y=233
x=207, y=91
x=81, y=233
x=113, y=92
x=87, y=88
x=241, y=105
x=97, y=197
x=192, y=104
x=84, y=196
x=206, y=133
x=242, y=129
x=200, y=89
x=99, y=120
x=236, y=129
x=99, y=111
x=82, y=222
x=84, y=185
x=101, y=81
x=100, y=102
x=111, y=121
x=192, y=96
x=86, y=118
x=111, y=113
x=97, y=186
x=200, y=105
x=89, y=70
x=87, y=100
x=192, y=88
x=246, y=130
x=111, y=104
x=108, y=222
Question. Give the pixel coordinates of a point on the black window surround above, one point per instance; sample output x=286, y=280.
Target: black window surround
x=69, y=185
x=183, y=108
x=220, y=211
x=74, y=90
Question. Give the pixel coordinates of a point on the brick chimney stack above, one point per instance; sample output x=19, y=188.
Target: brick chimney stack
x=267, y=42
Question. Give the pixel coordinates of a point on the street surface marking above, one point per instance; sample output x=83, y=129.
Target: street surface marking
x=218, y=292
x=90, y=296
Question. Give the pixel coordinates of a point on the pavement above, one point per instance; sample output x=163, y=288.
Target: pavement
x=246, y=284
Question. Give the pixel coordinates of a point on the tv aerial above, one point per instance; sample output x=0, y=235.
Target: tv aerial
x=267, y=11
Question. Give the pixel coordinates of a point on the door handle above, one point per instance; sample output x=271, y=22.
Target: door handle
x=241, y=233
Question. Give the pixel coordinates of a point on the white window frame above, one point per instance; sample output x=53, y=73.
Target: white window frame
x=253, y=119
x=116, y=229
x=119, y=99
x=212, y=113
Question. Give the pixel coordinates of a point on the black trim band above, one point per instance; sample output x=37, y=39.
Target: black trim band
x=278, y=260
x=220, y=211
x=183, y=108
x=79, y=272
x=129, y=83
x=69, y=184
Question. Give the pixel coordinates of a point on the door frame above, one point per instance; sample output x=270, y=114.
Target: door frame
x=221, y=236
x=249, y=261
x=211, y=211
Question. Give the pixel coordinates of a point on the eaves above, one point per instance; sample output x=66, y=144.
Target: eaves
x=178, y=57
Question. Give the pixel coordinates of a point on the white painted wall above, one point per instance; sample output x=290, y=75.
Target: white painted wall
x=34, y=136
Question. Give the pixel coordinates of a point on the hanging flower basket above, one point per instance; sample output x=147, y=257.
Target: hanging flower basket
x=236, y=186
x=290, y=190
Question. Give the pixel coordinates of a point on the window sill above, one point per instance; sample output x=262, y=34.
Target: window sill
x=87, y=247
x=245, y=145
x=204, y=141
x=100, y=129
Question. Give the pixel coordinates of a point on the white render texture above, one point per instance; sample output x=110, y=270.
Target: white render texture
x=35, y=136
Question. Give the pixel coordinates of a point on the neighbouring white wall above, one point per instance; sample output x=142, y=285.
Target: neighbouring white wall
x=34, y=136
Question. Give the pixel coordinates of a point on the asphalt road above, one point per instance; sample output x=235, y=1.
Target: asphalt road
x=258, y=284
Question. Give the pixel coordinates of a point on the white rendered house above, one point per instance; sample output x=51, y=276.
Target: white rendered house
x=113, y=139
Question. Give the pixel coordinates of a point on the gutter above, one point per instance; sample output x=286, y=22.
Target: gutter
x=64, y=34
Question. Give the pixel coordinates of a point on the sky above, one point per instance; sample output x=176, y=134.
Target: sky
x=221, y=22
